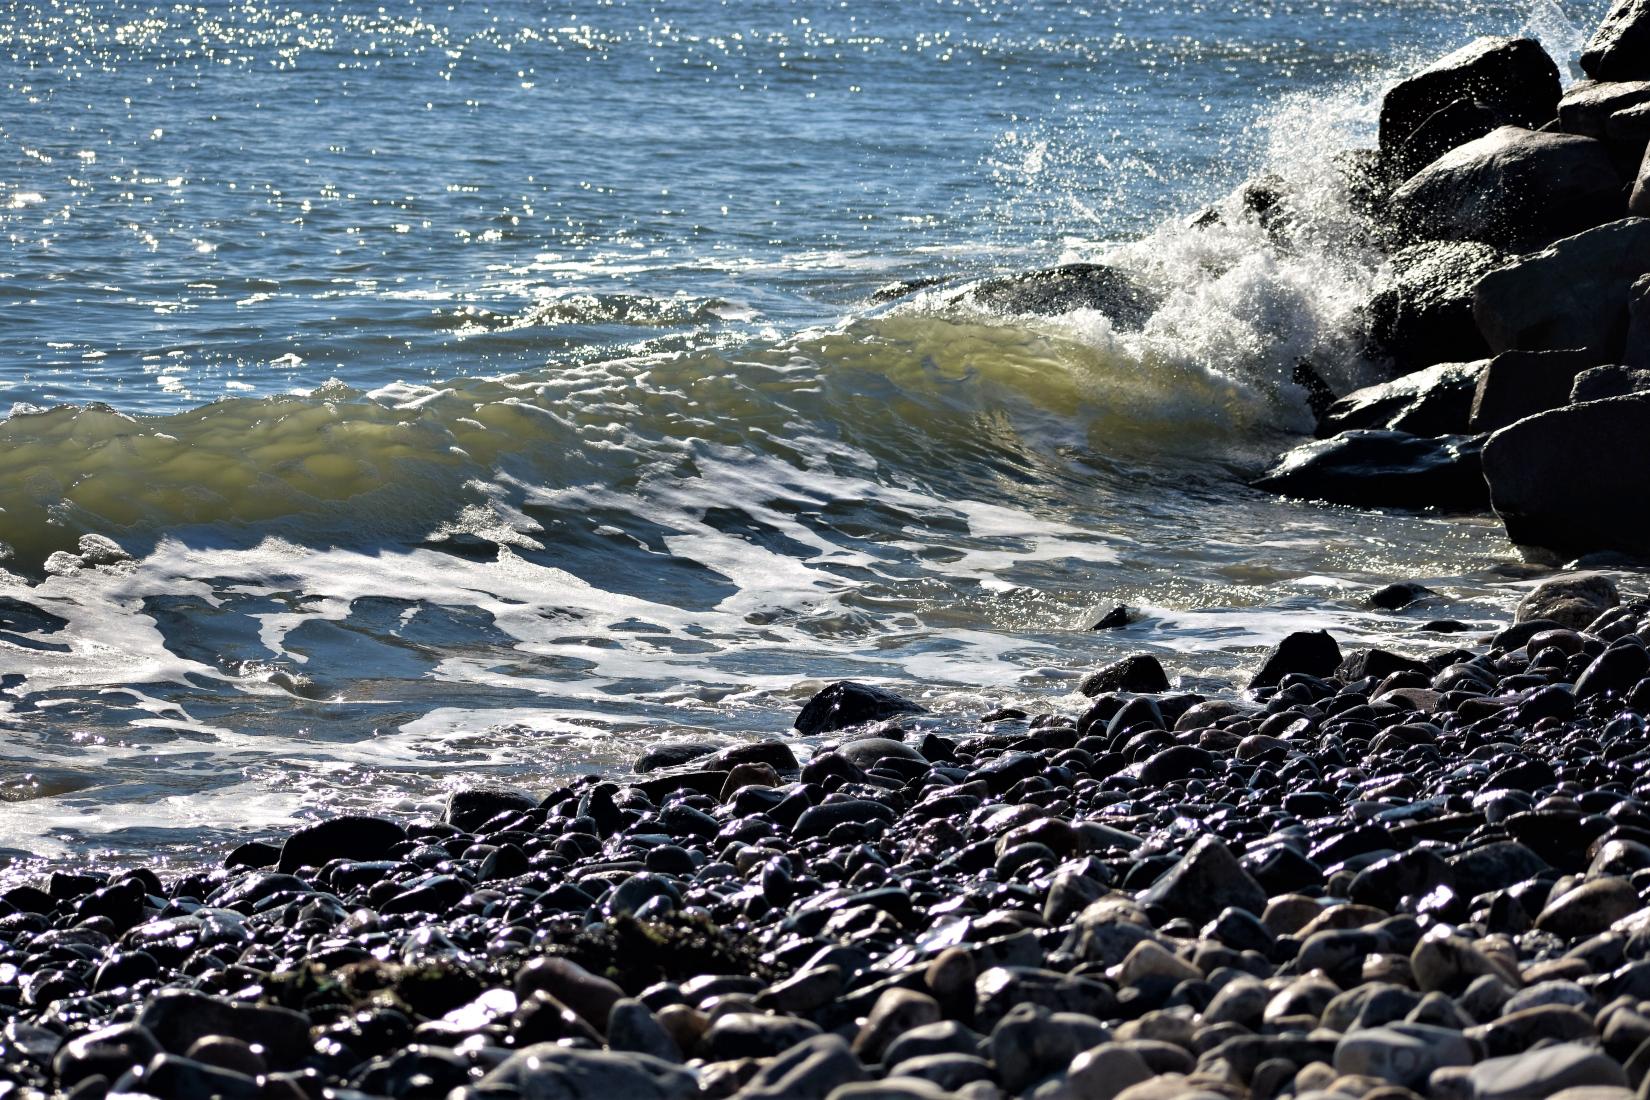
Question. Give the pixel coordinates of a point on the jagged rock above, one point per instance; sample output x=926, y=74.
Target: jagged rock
x=1516, y=384
x=1586, y=107
x=1597, y=383
x=1620, y=48
x=1571, y=295
x=846, y=703
x=1571, y=479
x=1434, y=401
x=1421, y=312
x=1512, y=76
x=1512, y=187
x=1058, y=290
x=1207, y=880
x=1378, y=469
x=1313, y=652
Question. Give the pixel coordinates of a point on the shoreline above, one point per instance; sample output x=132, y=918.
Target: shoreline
x=1368, y=874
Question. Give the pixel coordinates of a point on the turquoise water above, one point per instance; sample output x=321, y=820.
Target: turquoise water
x=490, y=391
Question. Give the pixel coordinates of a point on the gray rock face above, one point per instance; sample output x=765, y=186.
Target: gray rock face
x=1543, y=1073
x=1620, y=48
x=1421, y=313
x=1513, y=76
x=1516, y=384
x=1381, y=469
x=1571, y=295
x=546, y=1071
x=1573, y=600
x=1434, y=401
x=1570, y=480
x=1511, y=187
x=1073, y=286
x=1206, y=880
x=1586, y=107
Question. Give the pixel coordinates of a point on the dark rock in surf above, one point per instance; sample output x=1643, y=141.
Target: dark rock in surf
x=1512, y=187
x=471, y=807
x=1381, y=469
x=1572, y=600
x=1421, y=312
x=1569, y=479
x=1058, y=290
x=1313, y=652
x=1141, y=673
x=1513, y=77
x=1620, y=48
x=1399, y=595
x=846, y=703
x=1434, y=401
x=1117, y=618
x=1571, y=295
x=1516, y=384
x=671, y=754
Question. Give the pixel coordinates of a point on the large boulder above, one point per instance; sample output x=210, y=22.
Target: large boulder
x=1381, y=469
x=1057, y=290
x=1434, y=401
x=1620, y=48
x=1512, y=187
x=1449, y=127
x=1575, y=479
x=1511, y=76
x=1516, y=384
x=1421, y=312
x=1571, y=295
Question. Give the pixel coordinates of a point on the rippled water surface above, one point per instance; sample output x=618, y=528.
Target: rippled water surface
x=492, y=390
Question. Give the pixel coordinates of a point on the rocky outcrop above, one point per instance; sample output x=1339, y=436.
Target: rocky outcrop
x=1574, y=480
x=1620, y=48
x=1434, y=401
x=1421, y=312
x=1382, y=469
x=1571, y=295
x=1516, y=384
x=1511, y=77
x=1513, y=187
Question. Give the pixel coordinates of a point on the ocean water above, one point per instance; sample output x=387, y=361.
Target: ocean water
x=489, y=391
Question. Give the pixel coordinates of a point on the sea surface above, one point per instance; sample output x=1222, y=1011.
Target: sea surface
x=487, y=391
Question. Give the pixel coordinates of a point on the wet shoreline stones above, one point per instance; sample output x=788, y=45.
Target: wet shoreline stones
x=1370, y=874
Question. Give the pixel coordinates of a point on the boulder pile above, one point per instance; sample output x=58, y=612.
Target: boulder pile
x=1516, y=302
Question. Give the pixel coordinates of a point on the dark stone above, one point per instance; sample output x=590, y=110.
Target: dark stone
x=1421, y=313
x=672, y=754
x=471, y=807
x=1563, y=479
x=1451, y=126
x=1059, y=290
x=1313, y=652
x=1620, y=48
x=254, y=853
x=1512, y=187
x=846, y=703
x=1434, y=401
x=1179, y=762
x=1379, y=664
x=1399, y=595
x=1114, y=619
x=1586, y=107
x=1517, y=384
x=179, y=1018
x=1495, y=866
x=1379, y=469
x=1513, y=77
x=349, y=837
x=1616, y=669
x=1571, y=295
x=1139, y=673
x=1204, y=882
x=1598, y=383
